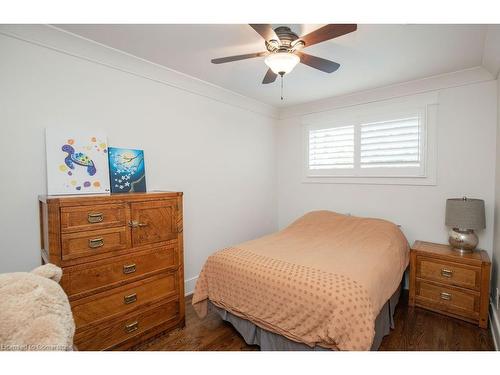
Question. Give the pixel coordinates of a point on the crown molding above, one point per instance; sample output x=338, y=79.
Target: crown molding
x=434, y=83
x=62, y=41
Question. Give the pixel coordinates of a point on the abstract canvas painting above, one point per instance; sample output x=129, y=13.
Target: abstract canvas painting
x=126, y=170
x=77, y=162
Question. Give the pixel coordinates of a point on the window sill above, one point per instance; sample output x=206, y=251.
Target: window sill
x=416, y=181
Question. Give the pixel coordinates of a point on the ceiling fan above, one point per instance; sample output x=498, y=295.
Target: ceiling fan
x=284, y=49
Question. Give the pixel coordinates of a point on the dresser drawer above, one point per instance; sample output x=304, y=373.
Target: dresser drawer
x=108, y=273
x=449, y=273
x=81, y=218
x=120, y=301
x=82, y=244
x=107, y=336
x=448, y=299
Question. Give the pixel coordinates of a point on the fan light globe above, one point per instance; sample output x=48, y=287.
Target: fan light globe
x=282, y=62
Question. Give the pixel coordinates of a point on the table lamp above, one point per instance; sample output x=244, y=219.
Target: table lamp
x=464, y=216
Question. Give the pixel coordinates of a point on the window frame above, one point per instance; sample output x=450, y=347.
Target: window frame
x=423, y=106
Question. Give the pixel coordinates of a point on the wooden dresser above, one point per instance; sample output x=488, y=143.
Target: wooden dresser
x=445, y=281
x=122, y=261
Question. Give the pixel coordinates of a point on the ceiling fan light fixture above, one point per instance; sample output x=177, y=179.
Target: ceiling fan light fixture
x=282, y=62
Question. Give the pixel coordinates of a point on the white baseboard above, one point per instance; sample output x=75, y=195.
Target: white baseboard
x=189, y=285
x=495, y=325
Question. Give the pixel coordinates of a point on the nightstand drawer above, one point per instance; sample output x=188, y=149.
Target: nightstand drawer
x=447, y=299
x=449, y=273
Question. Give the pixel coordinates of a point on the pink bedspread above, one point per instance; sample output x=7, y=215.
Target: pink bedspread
x=320, y=281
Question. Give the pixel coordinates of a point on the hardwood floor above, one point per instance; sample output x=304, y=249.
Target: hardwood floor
x=416, y=329
x=419, y=329
x=210, y=333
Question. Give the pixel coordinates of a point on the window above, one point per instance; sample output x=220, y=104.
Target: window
x=372, y=145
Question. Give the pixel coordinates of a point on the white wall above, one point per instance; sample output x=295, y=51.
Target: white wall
x=221, y=156
x=466, y=166
x=491, y=60
x=495, y=274
x=496, y=254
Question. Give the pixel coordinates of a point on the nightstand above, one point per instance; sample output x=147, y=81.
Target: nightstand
x=454, y=284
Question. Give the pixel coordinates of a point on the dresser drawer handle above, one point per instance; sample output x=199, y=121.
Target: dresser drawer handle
x=132, y=327
x=129, y=268
x=96, y=242
x=446, y=272
x=131, y=298
x=95, y=217
x=446, y=296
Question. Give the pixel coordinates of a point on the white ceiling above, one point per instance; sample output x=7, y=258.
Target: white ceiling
x=372, y=56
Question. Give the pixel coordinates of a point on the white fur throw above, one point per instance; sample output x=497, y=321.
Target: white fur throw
x=34, y=311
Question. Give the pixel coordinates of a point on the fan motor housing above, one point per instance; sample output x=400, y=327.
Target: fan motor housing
x=288, y=41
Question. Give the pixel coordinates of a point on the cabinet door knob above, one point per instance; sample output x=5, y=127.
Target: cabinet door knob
x=136, y=224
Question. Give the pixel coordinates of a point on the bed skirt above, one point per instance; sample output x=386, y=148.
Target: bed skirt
x=254, y=335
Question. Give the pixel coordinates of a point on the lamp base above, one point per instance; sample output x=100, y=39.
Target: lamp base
x=462, y=240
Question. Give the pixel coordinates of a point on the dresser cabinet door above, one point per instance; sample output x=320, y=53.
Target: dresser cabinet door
x=153, y=222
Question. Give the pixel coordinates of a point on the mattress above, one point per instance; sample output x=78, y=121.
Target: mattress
x=322, y=281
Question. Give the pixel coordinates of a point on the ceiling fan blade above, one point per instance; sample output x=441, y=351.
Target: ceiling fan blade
x=319, y=63
x=270, y=77
x=264, y=30
x=328, y=32
x=237, y=57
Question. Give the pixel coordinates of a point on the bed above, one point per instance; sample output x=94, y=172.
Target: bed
x=327, y=281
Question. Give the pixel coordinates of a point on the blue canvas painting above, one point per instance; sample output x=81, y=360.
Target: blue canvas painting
x=126, y=170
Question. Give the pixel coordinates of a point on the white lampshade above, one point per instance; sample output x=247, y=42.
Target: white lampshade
x=282, y=62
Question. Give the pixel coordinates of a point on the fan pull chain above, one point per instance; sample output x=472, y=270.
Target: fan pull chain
x=281, y=86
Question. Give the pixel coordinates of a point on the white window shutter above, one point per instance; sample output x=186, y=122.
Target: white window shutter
x=390, y=144
x=331, y=148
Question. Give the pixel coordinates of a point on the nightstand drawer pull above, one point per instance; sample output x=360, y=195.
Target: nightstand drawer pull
x=96, y=242
x=446, y=272
x=132, y=327
x=446, y=296
x=95, y=217
x=129, y=268
x=131, y=298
